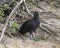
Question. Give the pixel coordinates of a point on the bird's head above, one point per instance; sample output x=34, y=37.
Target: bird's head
x=36, y=14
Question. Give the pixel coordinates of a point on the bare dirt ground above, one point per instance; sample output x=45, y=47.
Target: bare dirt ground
x=19, y=43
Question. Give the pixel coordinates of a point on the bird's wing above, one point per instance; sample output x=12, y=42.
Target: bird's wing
x=28, y=25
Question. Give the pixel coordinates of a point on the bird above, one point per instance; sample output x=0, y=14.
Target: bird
x=30, y=25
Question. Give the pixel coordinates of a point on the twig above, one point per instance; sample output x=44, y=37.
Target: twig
x=45, y=29
x=11, y=2
x=51, y=30
x=39, y=6
x=27, y=8
x=3, y=31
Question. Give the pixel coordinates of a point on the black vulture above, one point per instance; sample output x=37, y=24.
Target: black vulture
x=30, y=25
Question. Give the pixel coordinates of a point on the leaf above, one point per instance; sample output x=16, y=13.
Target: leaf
x=13, y=30
x=10, y=23
x=6, y=6
x=15, y=25
x=1, y=12
x=1, y=19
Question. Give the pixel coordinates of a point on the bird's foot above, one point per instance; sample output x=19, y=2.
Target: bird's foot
x=33, y=36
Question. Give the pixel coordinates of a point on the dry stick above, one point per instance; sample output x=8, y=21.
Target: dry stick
x=2, y=35
x=11, y=2
x=44, y=28
x=49, y=29
x=27, y=8
x=39, y=6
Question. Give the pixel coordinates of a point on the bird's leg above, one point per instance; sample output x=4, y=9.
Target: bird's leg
x=32, y=35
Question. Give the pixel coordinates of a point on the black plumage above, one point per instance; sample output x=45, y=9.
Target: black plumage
x=30, y=25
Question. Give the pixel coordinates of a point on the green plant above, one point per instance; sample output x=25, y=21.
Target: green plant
x=5, y=6
x=1, y=19
x=1, y=11
x=1, y=14
x=15, y=26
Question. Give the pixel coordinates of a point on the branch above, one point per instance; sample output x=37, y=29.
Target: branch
x=11, y=2
x=27, y=8
x=51, y=30
x=2, y=35
x=41, y=26
x=39, y=6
